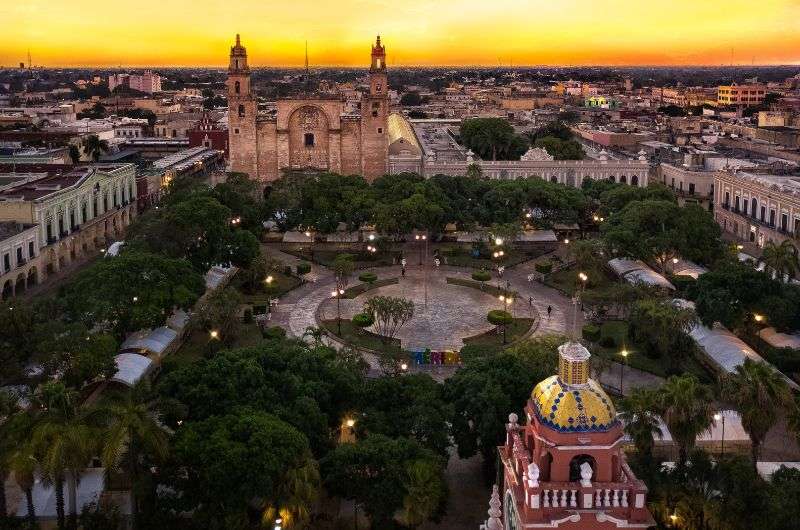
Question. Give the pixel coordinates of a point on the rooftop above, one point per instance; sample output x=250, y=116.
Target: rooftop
x=40, y=180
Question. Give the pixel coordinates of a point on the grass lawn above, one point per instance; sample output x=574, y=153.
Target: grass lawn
x=361, y=288
x=618, y=330
x=566, y=280
x=465, y=259
x=486, y=287
x=198, y=344
x=359, y=337
x=281, y=284
x=363, y=259
x=494, y=340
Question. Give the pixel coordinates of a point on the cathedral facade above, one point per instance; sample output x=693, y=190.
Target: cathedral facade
x=312, y=132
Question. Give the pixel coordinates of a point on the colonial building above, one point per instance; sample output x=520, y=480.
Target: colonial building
x=566, y=467
x=757, y=208
x=312, y=132
x=66, y=212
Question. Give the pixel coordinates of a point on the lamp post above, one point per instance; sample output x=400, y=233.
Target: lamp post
x=337, y=293
x=213, y=338
x=582, y=278
x=717, y=417
x=310, y=235
x=624, y=354
x=423, y=239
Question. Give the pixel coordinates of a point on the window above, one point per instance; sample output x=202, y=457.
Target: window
x=6, y=262
x=380, y=130
x=236, y=131
x=19, y=255
x=241, y=111
x=237, y=87
x=30, y=250
x=308, y=139
x=784, y=222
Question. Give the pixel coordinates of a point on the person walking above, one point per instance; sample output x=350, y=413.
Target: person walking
x=549, y=310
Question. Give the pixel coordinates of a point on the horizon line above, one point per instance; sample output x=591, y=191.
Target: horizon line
x=366, y=67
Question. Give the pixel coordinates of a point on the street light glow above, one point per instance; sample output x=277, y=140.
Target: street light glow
x=717, y=416
x=214, y=333
x=582, y=276
x=624, y=353
x=498, y=241
x=758, y=318
x=350, y=422
x=269, y=279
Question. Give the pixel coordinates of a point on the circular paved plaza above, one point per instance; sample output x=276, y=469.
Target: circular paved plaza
x=451, y=314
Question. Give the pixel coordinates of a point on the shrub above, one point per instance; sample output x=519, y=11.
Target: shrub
x=363, y=320
x=287, y=270
x=498, y=317
x=591, y=332
x=274, y=332
x=481, y=276
x=368, y=277
x=608, y=342
x=545, y=267
x=303, y=268
x=683, y=283
x=248, y=316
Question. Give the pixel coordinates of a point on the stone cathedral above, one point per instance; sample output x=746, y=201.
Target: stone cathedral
x=310, y=132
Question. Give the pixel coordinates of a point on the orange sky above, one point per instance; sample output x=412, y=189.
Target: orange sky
x=416, y=32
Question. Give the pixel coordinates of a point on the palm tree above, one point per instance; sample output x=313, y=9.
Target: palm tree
x=64, y=442
x=781, y=260
x=297, y=492
x=640, y=415
x=23, y=464
x=424, y=493
x=759, y=393
x=95, y=147
x=687, y=410
x=8, y=412
x=133, y=431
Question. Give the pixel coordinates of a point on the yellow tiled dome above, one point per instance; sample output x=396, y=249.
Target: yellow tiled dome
x=580, y=408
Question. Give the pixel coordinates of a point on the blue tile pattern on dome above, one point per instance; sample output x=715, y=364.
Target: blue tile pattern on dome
x=567, y=409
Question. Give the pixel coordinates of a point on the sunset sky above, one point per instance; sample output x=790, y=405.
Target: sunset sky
x=416, y=32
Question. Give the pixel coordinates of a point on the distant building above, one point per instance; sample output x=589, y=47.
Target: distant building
x=741, y=95
x=67, y=212
x=311, y=132
x=208, y=134
x=757, y=208
x=148, y=82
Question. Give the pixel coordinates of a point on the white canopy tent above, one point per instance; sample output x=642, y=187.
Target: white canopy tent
x=131, y=367
x=637, y=271
x=156, y=342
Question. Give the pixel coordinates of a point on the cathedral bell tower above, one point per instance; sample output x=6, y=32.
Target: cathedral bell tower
x=374, y=116
x=242, y=110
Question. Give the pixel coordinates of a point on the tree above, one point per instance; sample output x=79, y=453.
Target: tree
x=412, y=406
x=492, y=138
x=687, y=410
x=759, y=393
x=8, y=408
x=234, y=460
x=64, y=441
x=639, y=413
x=662, y=326
x=382, y=474
x=132, y=291
x=781, y=260
x=390, y=314
x=483, y=392
x=561, y=149
x=411, y=99
x=74, y=153
x=94, y=146
x=498, y=317
x=214, y=313
x=133, y=435
x=647, y=230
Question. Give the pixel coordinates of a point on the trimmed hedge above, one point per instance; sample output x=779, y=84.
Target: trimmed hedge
x=363, y=320
x=591, y=332
x=481, y=276
x=274, y=332
x=368, y=277
x=498, y=317
x=544, y=267
x=303, y=268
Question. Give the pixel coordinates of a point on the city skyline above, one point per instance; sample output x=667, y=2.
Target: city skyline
x=506, y=32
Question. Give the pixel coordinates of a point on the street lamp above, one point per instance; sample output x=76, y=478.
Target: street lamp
x=758, y=318
x=403, y=367
x=337, y=293
x=566, y=241
x=422, y=238
x=624, y=354
x=498, y=241
x=717, y=417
